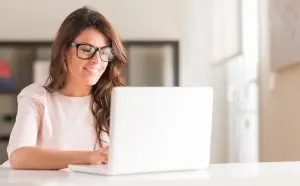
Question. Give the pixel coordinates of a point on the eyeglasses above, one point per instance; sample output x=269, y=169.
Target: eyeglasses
x=87, y=51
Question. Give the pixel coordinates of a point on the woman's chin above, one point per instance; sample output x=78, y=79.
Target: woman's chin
x=91, y=82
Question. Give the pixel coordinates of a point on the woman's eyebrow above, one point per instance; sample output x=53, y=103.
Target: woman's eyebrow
x=83, y=42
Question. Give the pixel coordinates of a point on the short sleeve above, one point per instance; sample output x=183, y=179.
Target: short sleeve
x=31, y=102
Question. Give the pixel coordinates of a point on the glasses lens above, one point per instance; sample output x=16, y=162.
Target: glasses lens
x=106, y=54
x=85, y=51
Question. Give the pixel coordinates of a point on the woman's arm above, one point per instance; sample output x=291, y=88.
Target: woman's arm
x=22, y=149
x=39, y=158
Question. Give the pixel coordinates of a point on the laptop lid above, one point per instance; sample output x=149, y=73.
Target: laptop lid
x=160, y=129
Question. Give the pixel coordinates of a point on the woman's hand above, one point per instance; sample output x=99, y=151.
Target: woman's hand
x=99, y=156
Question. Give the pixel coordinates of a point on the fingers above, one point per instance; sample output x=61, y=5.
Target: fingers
x=105, y=156
x=100, y=156
x=104, y=160
x=104, y=152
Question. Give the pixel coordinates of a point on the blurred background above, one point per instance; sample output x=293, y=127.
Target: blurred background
x=247, y=50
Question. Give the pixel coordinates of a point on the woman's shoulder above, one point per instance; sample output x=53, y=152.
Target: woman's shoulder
x=35, y=92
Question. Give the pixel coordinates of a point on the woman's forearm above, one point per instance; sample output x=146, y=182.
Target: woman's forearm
x=39, y=158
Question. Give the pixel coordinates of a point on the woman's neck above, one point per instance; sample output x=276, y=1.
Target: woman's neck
x=75, y=90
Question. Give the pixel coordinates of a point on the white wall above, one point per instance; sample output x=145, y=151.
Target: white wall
x=135, y=19
x=184, y=20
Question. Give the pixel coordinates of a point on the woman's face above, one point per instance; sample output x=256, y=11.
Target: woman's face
x=81, y=70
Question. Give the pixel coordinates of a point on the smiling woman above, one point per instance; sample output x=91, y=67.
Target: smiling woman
x=87, y=62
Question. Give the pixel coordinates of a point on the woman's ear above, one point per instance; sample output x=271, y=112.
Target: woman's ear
x=64, y=56
x=65, y=60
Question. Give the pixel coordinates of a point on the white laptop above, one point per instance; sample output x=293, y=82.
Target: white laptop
x=157, y=129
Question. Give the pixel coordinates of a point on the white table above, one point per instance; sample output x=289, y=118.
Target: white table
x=283, y=173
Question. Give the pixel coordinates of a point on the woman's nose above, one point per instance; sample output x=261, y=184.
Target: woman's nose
x=96, y=58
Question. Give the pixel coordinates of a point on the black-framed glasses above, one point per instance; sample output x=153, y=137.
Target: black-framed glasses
x=87, y=51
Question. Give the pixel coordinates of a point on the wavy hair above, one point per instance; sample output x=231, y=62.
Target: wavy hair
x=113, y=76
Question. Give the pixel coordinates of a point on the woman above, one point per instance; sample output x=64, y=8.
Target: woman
x=67, y=121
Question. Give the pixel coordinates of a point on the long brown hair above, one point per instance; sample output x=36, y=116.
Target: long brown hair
x=71, y=27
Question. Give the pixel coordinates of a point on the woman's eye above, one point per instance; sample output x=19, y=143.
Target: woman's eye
x=86, y=49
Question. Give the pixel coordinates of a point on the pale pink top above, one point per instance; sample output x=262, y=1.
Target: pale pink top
x=52, y=121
